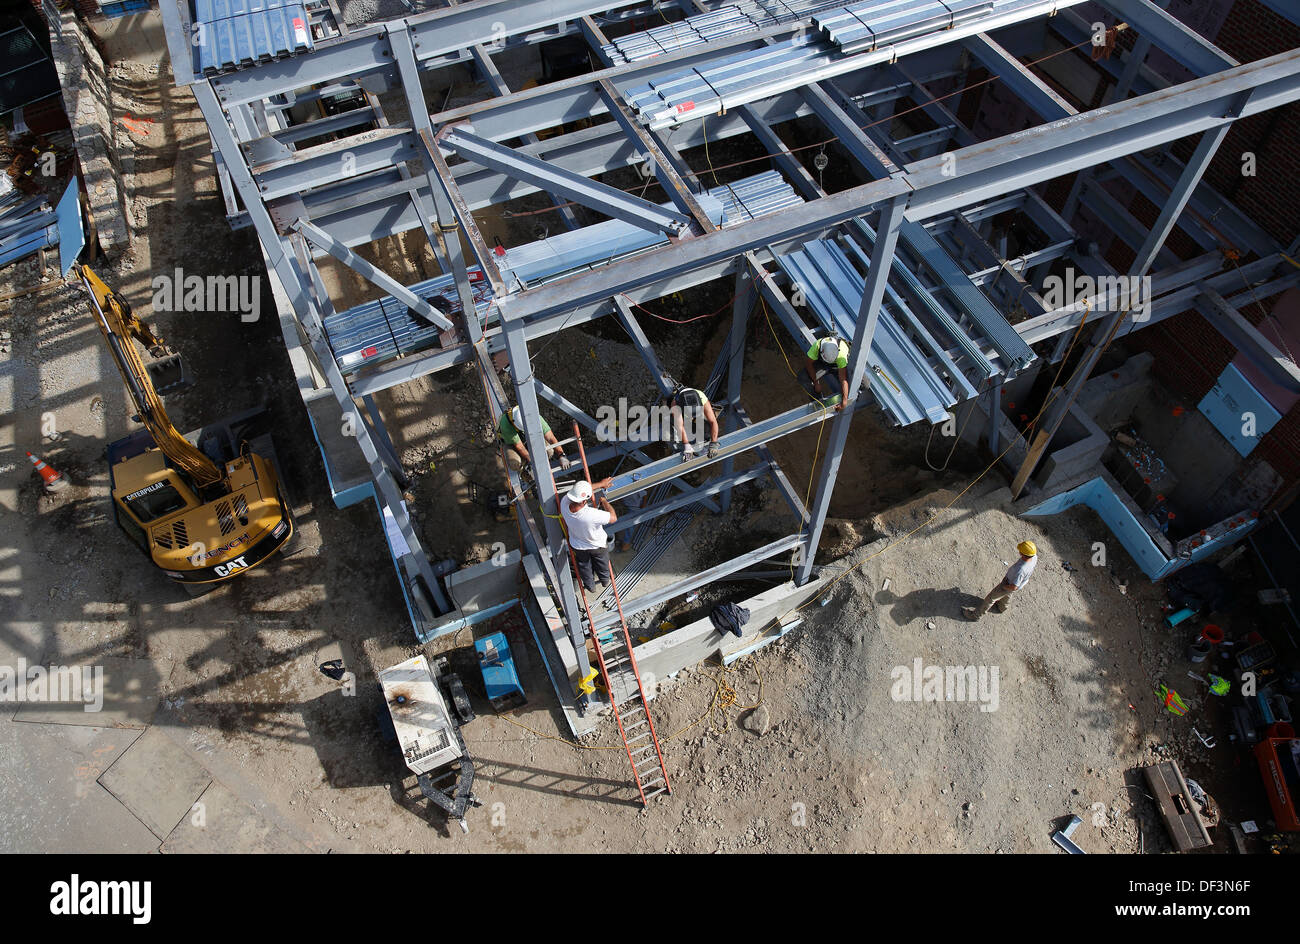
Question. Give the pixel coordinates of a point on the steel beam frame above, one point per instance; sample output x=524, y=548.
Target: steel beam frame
x=600, y=197
x=397, y=178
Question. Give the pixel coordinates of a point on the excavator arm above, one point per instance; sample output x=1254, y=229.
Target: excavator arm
x=121, y=329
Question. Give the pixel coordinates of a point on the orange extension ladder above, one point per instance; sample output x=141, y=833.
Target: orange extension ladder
x=623, y=683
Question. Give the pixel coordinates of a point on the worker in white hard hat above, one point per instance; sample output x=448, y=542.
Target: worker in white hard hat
x=1017, y=576
x=826, y=355
x=691, y=412
x=586, y=528
x=510, y=427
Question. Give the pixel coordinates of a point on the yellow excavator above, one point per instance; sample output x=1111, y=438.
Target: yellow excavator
x=205, y=507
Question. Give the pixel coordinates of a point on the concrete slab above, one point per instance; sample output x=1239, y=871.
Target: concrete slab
x=226, y=824
x=49, y=800
x=130, y=688
x=157, y=780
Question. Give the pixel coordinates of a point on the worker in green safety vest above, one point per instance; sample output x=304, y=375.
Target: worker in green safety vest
x=826, y=355
x=510, y=427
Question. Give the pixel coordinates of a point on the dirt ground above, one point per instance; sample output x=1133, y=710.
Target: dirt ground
x=799, y=748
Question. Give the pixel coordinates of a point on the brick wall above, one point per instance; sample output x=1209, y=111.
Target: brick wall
x=1189, y=357
x=1271, y=198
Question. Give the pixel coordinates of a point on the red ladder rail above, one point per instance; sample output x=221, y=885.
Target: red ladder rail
x=628, y=701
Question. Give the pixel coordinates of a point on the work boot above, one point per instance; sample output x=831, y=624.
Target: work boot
x=1000, y=607
x=971, y=613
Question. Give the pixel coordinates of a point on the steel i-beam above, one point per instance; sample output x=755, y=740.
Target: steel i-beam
x=882, y=259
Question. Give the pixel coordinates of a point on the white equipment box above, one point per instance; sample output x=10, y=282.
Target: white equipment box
x=424, y=728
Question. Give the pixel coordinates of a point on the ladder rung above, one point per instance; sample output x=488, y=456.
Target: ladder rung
x=640, y=769
x=639, y=737
x=651, y=783
x=654, y=793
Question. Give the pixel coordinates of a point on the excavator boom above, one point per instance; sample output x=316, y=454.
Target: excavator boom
x=121, y=330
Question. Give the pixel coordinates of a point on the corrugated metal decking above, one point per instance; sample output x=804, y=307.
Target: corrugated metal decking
x=230, y=34
x=865, y=26
x=846, y=40
x=834, y=289
x=746, y=16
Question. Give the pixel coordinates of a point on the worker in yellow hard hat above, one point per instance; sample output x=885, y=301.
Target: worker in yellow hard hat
x=1017, y=576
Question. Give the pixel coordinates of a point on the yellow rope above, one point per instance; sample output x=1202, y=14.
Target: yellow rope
x=935, y=514
x=821, y=427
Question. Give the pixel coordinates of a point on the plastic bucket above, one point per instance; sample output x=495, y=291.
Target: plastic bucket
x=1198, y=651
x=1212, y=634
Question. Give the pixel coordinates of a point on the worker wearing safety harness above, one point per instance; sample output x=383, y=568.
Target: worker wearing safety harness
x=510, y=427
x=690, y=410
x=1017, y=576
x=826, y=355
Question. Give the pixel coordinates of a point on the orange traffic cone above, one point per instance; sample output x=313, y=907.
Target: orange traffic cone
x=53, y=479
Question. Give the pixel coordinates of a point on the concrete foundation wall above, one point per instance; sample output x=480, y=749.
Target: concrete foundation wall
x=697, y=641
x=1076, y=453
x=486, y=585
x=1111, y=398
x=86, y=100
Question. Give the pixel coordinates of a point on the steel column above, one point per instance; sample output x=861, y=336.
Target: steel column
x=448, y=237
x=1196, y=167
x=740, y=310
x=521, y=375
x=882, y=259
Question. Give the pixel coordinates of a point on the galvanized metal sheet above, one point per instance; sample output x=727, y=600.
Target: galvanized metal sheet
x=876, y=29
x=231, y=34
x=72, y=234
x=900, y=377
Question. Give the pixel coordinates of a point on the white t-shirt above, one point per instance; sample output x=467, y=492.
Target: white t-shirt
x=1018, y=575
x=586, y=526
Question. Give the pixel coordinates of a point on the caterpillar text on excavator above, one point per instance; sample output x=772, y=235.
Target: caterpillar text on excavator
x=207, y=506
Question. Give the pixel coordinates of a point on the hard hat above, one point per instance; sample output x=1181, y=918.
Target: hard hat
x=580, y=492
x=517, y=418
x=1027, y=549
x=828, y=349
